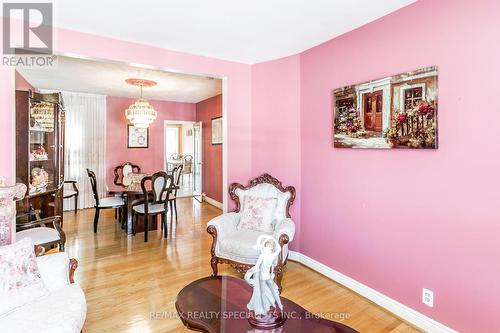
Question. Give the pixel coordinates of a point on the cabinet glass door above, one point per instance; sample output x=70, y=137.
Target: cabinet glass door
x=42, y=148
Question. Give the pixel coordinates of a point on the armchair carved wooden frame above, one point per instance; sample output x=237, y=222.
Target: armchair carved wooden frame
x=283, y=238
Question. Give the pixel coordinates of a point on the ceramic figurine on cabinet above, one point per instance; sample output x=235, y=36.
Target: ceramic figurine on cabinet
x=39, y=154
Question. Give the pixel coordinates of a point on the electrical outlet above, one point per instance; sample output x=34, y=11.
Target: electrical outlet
x=428, y=297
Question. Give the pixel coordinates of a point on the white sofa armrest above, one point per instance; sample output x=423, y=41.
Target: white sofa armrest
x=54, y=269
x=225, y=223
x=285, y=227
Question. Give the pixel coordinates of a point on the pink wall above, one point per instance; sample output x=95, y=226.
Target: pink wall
x=22, y=84
x=238, y=87
x=276, y=125
x=212, y=154
x=151, y=159
x=401, y=220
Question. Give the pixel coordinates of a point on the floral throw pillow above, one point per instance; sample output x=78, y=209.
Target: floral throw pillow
x=20, y=279
x=257, y=214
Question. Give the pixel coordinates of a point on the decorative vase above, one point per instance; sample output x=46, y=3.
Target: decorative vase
x=8, y=196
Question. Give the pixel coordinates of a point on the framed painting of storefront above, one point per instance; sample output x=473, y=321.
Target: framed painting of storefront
x=398, y=111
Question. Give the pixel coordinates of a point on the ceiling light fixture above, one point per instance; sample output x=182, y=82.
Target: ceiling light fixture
x=141, y=114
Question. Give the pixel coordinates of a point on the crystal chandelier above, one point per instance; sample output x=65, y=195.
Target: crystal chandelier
x=43, y=115
x=141, y=114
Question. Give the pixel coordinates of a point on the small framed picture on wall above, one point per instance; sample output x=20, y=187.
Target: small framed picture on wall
x=217, y=131
x=137, y=137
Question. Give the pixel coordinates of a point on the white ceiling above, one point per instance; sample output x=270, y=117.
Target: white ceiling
x=237, y=30
x=108, y=78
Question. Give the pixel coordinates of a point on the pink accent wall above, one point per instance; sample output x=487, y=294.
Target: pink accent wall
x=212, y=154
x=276, y=126
x=22, y=83
x=238, y=87
x=151, y=159
x=401, y=220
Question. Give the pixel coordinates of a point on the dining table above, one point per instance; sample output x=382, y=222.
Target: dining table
x=130, y=194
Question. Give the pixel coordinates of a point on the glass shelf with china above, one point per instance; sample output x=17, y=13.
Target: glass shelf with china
x=40, y=151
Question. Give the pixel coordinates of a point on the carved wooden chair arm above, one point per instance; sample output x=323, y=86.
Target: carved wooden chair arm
x=39, y=250
x=73, y=264
x=42, y=222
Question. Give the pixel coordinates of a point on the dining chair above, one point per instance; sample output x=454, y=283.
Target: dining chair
x=172, y=199
x=71, y=192
x=123, y=173
x=154, y=201
x=188, y=167
x=104, y=203
x=41, y=233
x=173, y=157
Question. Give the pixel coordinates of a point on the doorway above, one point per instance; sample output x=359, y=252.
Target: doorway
x=181, y=148
x=372, y=110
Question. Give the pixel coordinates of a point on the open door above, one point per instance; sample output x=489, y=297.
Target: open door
x=198, y=162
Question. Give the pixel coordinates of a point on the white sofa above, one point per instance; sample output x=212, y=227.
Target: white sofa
x=235, y=246
x=62, y=310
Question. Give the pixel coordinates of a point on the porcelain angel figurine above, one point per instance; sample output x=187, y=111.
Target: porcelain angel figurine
x=265, y=299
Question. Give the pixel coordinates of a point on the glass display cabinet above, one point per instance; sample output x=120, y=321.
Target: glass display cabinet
x=39, y=154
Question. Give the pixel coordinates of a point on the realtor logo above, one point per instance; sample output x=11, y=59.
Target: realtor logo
x=28, y=34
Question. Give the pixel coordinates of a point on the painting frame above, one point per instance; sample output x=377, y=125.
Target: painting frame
x=133, y=137
x=216, y=131
x=393, y=112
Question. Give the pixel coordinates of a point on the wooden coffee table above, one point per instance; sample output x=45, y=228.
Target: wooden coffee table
x=218, y=305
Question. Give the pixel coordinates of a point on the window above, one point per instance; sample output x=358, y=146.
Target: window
x=411, y=97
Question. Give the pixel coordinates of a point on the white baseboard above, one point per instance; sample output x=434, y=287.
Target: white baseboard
x=213, y=202
x=413, y=317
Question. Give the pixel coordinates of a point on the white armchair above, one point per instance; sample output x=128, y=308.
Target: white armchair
x=235, y=246
x=62, y=310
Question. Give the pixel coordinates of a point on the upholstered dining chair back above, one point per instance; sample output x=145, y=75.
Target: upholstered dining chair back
x=188, y=163
x=123, y=173
x=161, y=185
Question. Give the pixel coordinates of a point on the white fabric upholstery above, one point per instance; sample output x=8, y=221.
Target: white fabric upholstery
x=126, y=170
x=61, y=311
x=225, y=223
x=267, y=191
x=111, y=202
x=39, y=235
x=237, y=245
x=159, y=185
x=285, y=227
x=152, y=209
x=20, y=278
x=54, y=269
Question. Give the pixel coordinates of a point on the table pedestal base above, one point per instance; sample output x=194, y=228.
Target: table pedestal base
x=272, y=320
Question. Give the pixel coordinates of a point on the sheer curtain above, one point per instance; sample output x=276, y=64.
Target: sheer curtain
x=85, y=144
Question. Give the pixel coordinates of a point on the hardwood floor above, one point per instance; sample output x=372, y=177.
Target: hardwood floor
x=131, y=286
